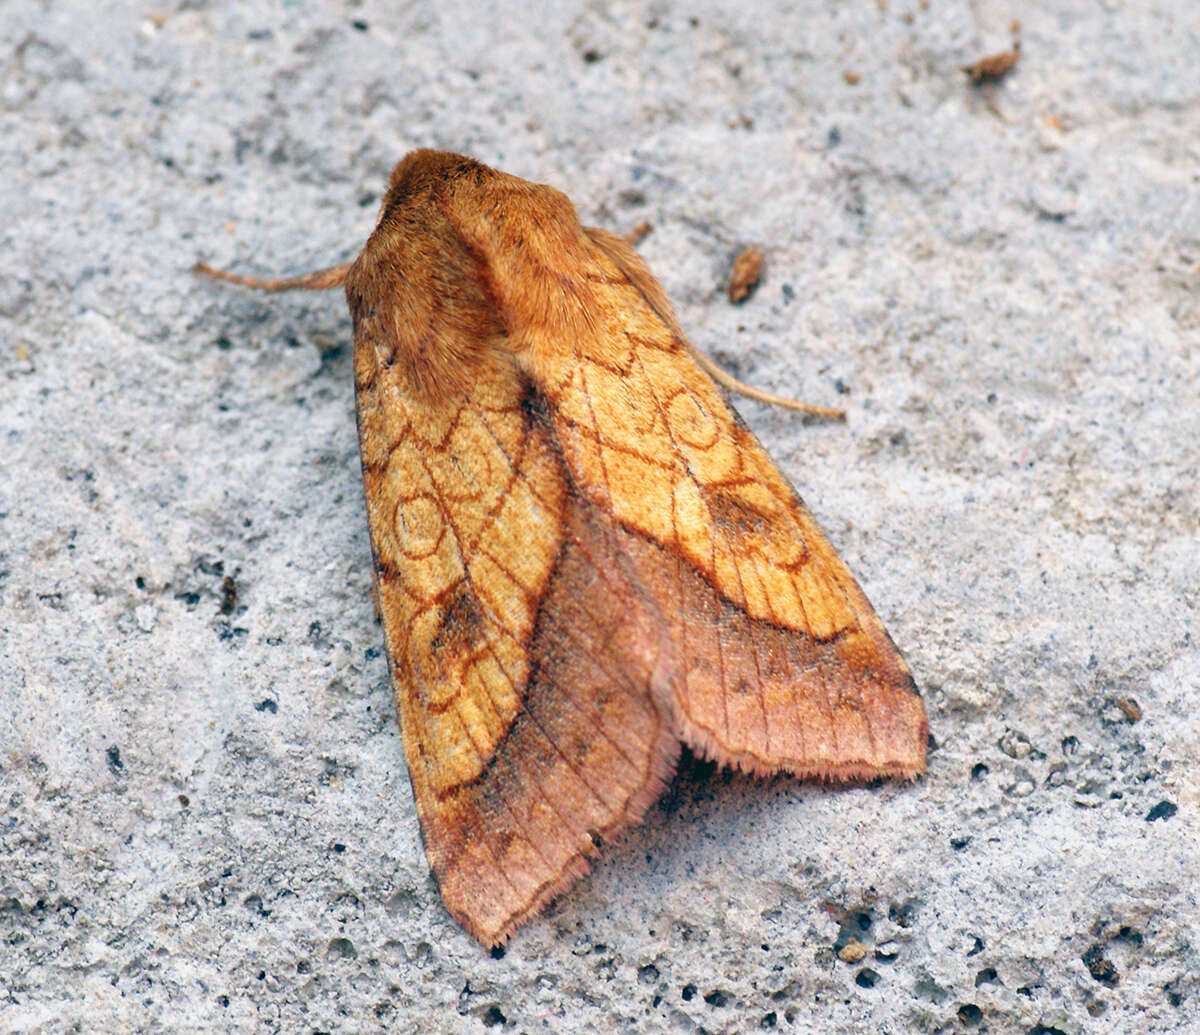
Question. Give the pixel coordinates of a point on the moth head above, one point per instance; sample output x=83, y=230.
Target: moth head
x=467, y=266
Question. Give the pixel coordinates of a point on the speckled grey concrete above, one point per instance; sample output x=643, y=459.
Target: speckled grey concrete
x=206, y=822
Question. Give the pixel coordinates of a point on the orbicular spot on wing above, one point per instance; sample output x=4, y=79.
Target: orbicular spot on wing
x=691, y=422
x=419, y=526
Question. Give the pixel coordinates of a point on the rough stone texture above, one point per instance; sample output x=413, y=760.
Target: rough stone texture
x=206, y=822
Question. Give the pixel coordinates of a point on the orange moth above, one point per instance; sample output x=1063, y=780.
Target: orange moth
x=583, y=558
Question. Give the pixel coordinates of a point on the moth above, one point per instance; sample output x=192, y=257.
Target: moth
x=583, y=558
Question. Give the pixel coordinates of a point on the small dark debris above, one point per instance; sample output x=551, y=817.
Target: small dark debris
x=688, y=993
x=993, y=67
x=977, y=948
x=359, y=25
x=229, y=596
x=833, y=137
x=769, y=1020
x=497, y=952
x=184, y=800
x=866, y=978
x=717, y=997
x=267, y=705
x=493, y=1016
x=591, y=56
x=254, y=904
x=223, y=1000
x=1130, y=709
x=905, y=913
x=1099, y=966
x=1163, y=810
x=225, y=632
x=1174, y=992
x=745, y=275
x=970, y=1014
x=959, y=843
x=114, y=760
x=338, y=847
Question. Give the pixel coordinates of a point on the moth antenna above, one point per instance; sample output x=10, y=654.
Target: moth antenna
x=318, y=280
x=730, y=383
x=726, y=380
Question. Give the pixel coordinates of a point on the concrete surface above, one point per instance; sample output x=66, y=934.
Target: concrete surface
x=206, y=820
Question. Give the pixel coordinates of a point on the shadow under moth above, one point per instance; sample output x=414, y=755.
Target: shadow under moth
x=583, y=557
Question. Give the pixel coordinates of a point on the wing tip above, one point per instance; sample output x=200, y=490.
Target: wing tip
x=493, y=932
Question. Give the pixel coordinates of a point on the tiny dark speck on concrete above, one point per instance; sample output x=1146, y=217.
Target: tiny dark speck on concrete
x=1163, y=810
x=970, y=1014
x=1099, y=966
x=866, y=978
